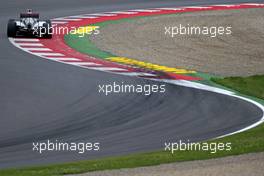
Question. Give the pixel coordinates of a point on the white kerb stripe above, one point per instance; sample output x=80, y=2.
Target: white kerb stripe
x=26, y=39
x=29, y=44
x=83, y=63
x=170, y=8
x=102, y=14
x=47, y=54
x=137, y=74
x=225, y=5
x=37, y=49
x=90, y=17
x=59, y=22
x=253, y=4
x=67, y=19
x=108, y=68
x=144, y=10
x=80, y=16
x=123, y=12
x=198, y=7
x=65, y=59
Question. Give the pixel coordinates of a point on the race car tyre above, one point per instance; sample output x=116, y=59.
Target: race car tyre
x=48, y=30
x=11, y=28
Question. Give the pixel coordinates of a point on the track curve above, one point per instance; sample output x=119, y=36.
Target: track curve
x=45, y=100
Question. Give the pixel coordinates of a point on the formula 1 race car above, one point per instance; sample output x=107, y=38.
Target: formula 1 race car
x=29, y=25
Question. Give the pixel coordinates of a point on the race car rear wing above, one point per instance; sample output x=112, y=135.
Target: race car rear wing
x=29, y=15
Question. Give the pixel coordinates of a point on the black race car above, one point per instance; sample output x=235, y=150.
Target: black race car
x=29, y=25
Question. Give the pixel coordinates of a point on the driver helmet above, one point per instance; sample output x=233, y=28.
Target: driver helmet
x=29, y=11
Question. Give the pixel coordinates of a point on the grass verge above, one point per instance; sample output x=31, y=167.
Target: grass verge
x=246, y=142
x=252, y=85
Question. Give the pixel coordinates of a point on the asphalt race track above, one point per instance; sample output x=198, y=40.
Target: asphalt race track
x=41, y=99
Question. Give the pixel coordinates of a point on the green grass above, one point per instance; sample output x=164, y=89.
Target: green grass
x=250, y=141
x=253, y=85
x=246, y=142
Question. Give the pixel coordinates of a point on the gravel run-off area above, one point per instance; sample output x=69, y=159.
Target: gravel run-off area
x=240, y=53
x=243, y=165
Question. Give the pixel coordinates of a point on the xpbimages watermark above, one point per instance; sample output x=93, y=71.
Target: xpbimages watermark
x=211, y=31
x=64, y=30
x=146, y=89
x=58, y=146
x=212, y=147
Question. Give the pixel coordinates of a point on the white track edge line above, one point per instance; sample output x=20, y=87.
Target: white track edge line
x=219, y=91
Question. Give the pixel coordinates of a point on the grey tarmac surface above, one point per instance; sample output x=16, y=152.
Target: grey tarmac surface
x=43, y=100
